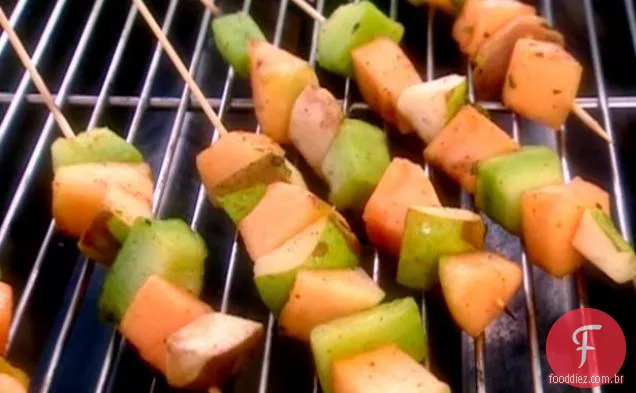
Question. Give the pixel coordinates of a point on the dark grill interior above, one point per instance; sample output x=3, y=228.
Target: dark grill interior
x=107, y=69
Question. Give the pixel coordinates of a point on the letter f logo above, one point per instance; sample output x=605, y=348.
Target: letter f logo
x=584, y=348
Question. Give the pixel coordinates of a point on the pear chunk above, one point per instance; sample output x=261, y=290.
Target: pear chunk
x=432, y=232
x=315, y=121
x=82, y=191
x=325, y=244
x=210, y=349
x=237, y=169
x=600, y=242
x=278, y=77
x=428, y=106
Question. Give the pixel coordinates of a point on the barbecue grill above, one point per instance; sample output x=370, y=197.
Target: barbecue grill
x=107, y=69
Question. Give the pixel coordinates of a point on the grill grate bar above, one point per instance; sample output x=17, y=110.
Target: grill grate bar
x=167, y=103
x=85, y=266
x=16, y=13
x=430, y=75
x=479, y=342
x=11, y=113
x=185, y=103
x=560, y=137
x=265, y=366
x=42, y=45
x=31, y=169
x=621, y=208
x=631, y=18
x=617, y=184
x=166, y=165
x=225, y=104
x=530, y=301
x=87, y=33
x=140, y=109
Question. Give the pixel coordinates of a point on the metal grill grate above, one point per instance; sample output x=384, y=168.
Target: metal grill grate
x=68, y=350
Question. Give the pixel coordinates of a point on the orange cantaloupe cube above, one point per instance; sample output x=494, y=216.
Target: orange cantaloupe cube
x=468, y=138
x=542, y=82
x=8, y=384
x=383, y=71
x=383, y=369
x=6, y=315
x=284, y=210
x=477, y=287
x=79, y=191
x=403, y=185
x=231, y=153
x=320, y=296
x=550, y=217
x=480, y=19
x=278, y=77
x=158, y=310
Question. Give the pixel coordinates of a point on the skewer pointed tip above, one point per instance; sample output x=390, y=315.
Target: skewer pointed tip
x=509, y=313
x=591, y=123
x=25, y=58
x=181, y=68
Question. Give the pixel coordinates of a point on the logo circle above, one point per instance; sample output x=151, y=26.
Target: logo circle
x=585, y=348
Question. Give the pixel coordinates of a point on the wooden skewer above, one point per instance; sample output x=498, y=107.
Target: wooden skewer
x=309, y=10
x=172, y=54
x=64, y=125
x=591, y=122
x=210, y=5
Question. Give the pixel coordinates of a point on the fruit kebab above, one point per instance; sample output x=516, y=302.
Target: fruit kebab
x=305, y=270
x=460, y=254
x=12, y=379
x=242, y=173
x=100, y=185
x=371, y=53
x=151, y=287
x=405, y=184
x=479, y=167
x=461, y=267
x=515, y=56
x=516, y=51
x=290, y=107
